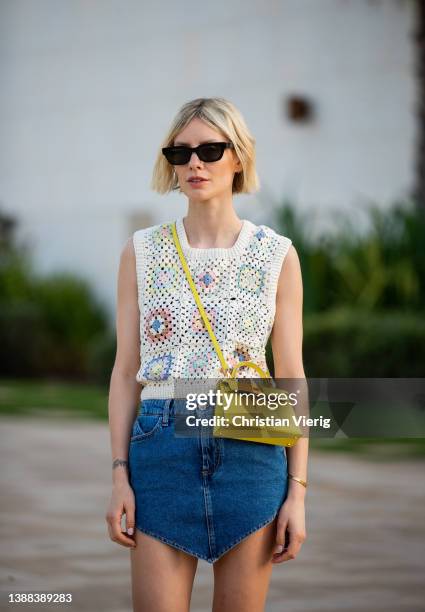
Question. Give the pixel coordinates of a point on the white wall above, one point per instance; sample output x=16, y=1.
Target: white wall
x=88, y=89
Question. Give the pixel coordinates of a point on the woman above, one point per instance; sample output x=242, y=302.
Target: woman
x=184, y=497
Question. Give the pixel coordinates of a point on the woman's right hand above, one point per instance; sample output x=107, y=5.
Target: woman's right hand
x=122, y=502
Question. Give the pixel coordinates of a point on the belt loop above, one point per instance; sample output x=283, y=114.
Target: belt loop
x=166, y=412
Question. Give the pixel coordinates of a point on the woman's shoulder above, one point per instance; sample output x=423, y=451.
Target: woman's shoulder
x=262, y=230
x=151, y=229
x=155, y=236
x=267, y=239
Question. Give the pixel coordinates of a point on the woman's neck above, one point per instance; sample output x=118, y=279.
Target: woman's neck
x=211, y=227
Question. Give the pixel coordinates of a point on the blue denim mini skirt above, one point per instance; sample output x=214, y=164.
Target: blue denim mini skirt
x=199, y=493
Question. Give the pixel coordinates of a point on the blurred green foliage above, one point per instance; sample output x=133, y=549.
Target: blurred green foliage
x=48, y=398
x=381, y=267
x=364, y=292
x=50, y=326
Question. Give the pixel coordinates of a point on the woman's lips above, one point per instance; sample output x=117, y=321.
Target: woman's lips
x=198, y=183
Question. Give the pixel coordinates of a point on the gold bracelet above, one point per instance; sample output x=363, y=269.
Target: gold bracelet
x=303, y=482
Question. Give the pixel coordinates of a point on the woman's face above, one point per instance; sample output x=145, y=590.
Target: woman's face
x=219, y=174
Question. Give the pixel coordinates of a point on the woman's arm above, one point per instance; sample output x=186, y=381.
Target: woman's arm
x=286, y=340
x=124, y=394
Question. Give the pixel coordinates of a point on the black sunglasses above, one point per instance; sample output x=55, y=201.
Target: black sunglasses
x=207, y=152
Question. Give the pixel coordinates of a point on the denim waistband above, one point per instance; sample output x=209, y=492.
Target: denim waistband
x=172, y=406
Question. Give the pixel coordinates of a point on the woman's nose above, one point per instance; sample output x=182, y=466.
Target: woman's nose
x=194, y=160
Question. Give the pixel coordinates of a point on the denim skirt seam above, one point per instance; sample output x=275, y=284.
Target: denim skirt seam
x=197, y=554
x=172, y=543
x=210, y=523
x=262, y=524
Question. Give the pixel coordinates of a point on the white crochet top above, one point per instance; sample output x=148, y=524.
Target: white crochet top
x=237, y=287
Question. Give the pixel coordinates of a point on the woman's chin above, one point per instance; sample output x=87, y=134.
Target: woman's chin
x=198, y=196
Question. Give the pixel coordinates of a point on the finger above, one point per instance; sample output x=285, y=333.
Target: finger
x=129, y=520
x=280, y=537
x=121, y=538
x=125, y=540
x=292, y=551
x=118, y=535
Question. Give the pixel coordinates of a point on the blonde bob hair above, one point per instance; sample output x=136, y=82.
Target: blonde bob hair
x=223, y=116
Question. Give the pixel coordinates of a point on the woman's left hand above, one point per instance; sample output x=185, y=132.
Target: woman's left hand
x=291, y=520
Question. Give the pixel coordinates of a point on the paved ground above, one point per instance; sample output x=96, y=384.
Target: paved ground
x=365, y=546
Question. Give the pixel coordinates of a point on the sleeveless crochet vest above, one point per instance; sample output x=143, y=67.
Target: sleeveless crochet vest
x=237, y=286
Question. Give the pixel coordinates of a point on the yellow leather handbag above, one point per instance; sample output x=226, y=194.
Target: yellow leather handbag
x=240, y=396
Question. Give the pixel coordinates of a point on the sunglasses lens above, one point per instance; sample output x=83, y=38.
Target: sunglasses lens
x=177, y=155
x=210, y=152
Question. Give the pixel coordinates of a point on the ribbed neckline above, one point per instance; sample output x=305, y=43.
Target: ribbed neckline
x=199, y=253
